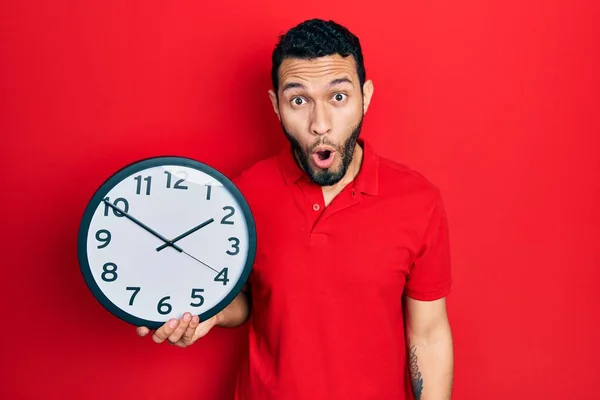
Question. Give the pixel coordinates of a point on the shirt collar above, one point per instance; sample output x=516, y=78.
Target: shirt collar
x=367, y=180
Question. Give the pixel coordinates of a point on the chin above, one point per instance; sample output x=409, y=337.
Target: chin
x=326, y=177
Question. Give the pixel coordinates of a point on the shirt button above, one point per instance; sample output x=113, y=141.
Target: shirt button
x=316, y=207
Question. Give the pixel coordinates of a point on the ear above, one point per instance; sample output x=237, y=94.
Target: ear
x=367, y=95
x=273, y=98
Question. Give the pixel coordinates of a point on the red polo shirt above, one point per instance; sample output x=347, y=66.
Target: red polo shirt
x=327, y=282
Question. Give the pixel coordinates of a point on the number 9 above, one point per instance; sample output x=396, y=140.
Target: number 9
x=105, y=239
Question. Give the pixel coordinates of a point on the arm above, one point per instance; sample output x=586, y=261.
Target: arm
x=430, y=349
x=237, y=312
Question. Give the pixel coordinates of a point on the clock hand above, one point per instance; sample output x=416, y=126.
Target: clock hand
x=185, y=252
x=158, y=235
x=147, y=228
x=194, y=229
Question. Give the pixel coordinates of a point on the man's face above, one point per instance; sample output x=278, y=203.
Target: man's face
x=321, y=107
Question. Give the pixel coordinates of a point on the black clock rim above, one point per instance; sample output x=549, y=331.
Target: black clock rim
x=128, y=170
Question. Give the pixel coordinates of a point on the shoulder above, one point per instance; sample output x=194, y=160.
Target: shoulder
x=261, y=174
x=396, y=178
x=408, y=190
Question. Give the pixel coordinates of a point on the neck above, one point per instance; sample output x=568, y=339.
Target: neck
x=331, y=191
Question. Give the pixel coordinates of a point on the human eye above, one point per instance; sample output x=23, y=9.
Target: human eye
x=340, y=97
x=297, y=101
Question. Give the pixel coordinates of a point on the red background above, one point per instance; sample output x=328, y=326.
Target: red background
x=494, y=101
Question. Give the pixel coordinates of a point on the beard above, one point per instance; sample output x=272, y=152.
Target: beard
x=325, y=177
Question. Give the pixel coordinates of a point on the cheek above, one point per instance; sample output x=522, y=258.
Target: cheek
x=295, y=122
x=347, y=117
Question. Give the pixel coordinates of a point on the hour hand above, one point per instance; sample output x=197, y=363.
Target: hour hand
x=187, y=233
x=146, y=227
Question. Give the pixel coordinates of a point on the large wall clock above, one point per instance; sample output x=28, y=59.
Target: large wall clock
x=163, y=236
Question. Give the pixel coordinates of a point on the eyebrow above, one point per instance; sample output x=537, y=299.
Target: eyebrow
x=292, y=85
x=339, y=80
x=297, y=85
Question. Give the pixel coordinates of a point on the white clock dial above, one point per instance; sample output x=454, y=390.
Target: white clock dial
x=139, y=276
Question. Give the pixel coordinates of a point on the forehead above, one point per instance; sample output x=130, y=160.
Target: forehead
x=317, y=71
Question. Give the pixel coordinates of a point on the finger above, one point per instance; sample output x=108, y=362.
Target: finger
x=188, y=335
x=178, y=332
x=165, y=330
x=142, y=331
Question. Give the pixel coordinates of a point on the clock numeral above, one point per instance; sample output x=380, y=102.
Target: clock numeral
x=148, y=181
x=208, y=190
x=163, y=307
x=227, y=216
x=222, y=277
x=135, y=292
x=112, y=272
x=105, y=239
x=124, y=207
x=235, y=245
x=196, y=295
x=178, y=184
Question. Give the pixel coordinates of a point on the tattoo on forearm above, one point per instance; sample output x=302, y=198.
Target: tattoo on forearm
x=415, y=375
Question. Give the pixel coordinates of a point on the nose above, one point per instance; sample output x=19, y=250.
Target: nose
x=320, y=123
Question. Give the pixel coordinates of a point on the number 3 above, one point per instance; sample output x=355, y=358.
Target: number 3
x=235, y=245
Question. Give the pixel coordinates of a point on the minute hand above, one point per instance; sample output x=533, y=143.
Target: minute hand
x=187, y=233
x=146, y=227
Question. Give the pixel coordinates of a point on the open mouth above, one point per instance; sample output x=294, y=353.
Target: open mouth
x=324, y=154
x=323, y=158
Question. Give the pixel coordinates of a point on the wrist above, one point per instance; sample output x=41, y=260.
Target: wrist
x=219, y=319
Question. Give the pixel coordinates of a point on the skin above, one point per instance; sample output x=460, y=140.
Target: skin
x=320, y=102
x=430, y=349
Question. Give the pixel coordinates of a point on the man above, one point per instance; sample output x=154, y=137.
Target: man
x=352, y=268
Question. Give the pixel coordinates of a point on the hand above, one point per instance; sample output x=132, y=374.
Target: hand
x=147, y=228
x=183, y=332
x=194, y=229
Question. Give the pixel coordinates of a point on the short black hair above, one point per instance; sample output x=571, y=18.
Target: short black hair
x=317, y=38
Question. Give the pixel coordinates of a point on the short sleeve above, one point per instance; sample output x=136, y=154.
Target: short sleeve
x=430, y=275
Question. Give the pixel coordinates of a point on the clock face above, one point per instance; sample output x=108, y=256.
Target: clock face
x=164, y=236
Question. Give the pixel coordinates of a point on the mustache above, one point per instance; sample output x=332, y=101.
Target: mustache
x=323, y=141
